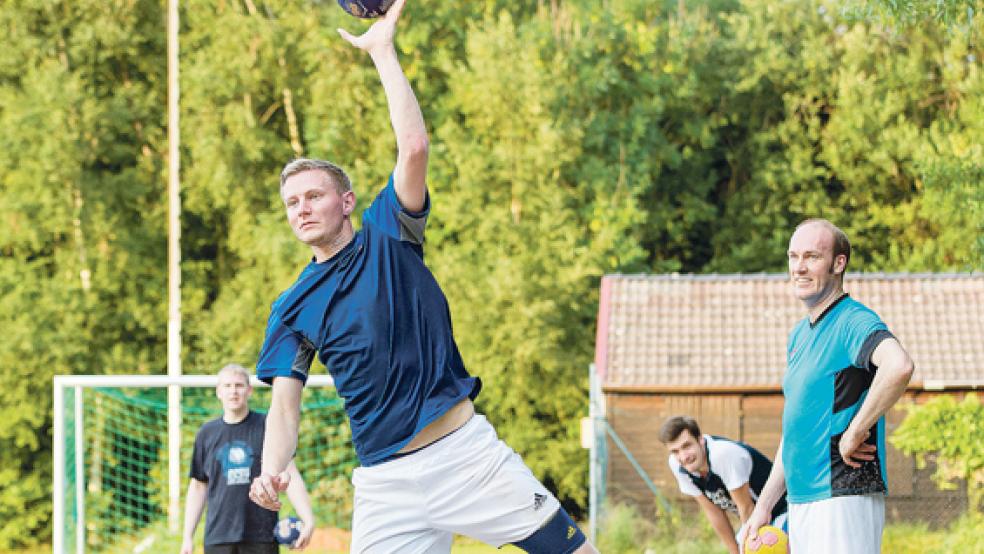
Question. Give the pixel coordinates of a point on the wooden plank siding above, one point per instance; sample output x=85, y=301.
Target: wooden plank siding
x=753, y=418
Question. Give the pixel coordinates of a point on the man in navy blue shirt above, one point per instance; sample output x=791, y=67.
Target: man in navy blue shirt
x=373, y=313
x=225, y=458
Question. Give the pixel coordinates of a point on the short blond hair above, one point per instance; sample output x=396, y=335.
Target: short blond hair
x=235, y=369
x=335, y=175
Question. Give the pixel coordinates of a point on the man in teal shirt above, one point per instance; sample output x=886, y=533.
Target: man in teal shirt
x=844, y=371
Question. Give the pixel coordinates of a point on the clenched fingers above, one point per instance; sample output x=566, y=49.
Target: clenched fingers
x=863, y=453
x=265, y=492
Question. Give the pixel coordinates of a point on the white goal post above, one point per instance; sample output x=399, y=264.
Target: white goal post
x=65, y=385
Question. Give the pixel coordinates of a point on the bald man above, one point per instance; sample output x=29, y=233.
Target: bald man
x=845, y=369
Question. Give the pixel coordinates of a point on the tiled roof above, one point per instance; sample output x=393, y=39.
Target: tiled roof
x=725, y=331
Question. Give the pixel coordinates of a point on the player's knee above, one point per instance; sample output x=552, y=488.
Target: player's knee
x=559, y=535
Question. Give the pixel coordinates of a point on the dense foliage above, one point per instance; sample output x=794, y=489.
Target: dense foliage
x=571, y=138
x=951, y=434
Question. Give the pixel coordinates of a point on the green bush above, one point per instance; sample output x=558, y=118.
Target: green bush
x=624, y=530
x=621, y=530
x=952, y=435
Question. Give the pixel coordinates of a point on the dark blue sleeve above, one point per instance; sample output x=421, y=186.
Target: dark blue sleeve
x=864, y=332
x=389, y=216
x=868, y=348
x=197, y=471
x=284, y=353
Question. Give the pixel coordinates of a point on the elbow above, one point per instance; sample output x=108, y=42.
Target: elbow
x=415, y=145
x=908, y=368
x=900, y=373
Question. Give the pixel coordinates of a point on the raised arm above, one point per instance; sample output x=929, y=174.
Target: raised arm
x=894, y=371
x=279, y=442
x=410, y=174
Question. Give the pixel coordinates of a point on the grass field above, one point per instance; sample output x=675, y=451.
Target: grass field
x=461, y=547
x=627, y=533
x=169, y=544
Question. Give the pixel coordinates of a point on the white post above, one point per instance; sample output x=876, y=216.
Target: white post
x=58, y=490
x=58, y=484
x=174, y=271
x=593, y=460
x=79, y=474
x=174, y=457
x=149, y=381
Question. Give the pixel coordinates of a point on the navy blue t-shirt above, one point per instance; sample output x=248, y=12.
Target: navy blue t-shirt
x=379, y=322
x=227, y=457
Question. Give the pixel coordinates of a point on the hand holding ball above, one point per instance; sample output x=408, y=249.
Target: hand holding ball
x=288, y=530
x=770, y=540
x=365, y=9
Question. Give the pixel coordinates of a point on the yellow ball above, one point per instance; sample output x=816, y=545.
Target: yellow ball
x=770, y=540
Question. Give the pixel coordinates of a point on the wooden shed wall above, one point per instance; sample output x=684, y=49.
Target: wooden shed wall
x=753, y=418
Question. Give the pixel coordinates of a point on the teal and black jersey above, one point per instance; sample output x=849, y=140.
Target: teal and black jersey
x=829, y=373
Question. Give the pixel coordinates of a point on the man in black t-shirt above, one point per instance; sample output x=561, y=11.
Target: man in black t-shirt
x=225, y=460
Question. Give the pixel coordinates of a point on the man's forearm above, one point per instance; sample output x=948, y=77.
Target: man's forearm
x=194, y=505
x=745, y=512
x=405, y=114
x=722, y=527
x=742, y=497
x=719, y=522
x=772, y=491
x=282, y=423
x=298, y=495
x=775, y=485
x=895, y=368
x=408, y=126
x=886, y=389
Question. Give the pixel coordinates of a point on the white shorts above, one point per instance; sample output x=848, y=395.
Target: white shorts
x=468, y=483
x=845, y=525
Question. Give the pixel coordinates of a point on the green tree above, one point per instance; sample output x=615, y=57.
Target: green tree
x=569, y=139
x=850, y=121
x=80, y=290
x=912, y=12
x=511, y=245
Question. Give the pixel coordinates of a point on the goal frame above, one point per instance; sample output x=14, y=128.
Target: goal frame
x=77, y=383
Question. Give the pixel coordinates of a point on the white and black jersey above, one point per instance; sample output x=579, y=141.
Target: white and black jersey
x=730, y=465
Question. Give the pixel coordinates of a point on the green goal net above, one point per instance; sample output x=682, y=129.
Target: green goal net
x=114, y=492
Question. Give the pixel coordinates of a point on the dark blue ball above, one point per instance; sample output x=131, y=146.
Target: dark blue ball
x=287, y=530
x=366, y=9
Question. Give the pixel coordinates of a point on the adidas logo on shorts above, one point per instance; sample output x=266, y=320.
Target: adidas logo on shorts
x=538, y=500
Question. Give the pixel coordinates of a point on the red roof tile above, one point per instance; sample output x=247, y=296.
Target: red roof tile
x=727, y=331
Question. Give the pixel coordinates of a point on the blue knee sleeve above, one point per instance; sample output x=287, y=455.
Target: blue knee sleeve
x=559, y=535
